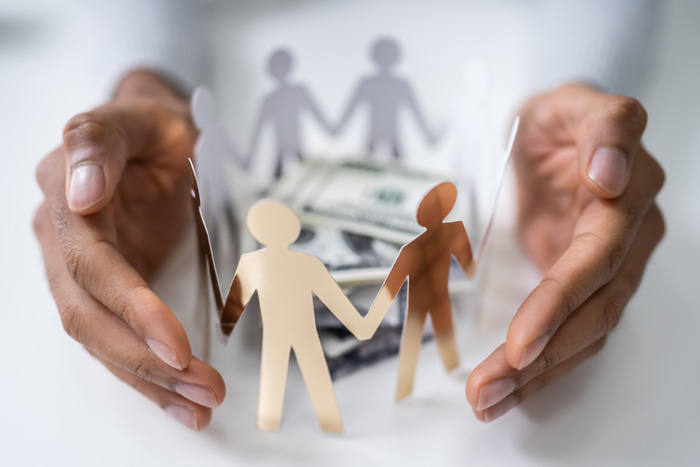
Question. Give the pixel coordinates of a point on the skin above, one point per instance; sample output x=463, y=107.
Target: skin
x=99, y=257
x=591, y=244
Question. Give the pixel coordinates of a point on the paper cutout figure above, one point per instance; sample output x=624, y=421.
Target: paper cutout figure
x=425, y=262
x=385, y=94
x=206, y=265
x=285, y=280
x=283, y=108
x=212, y=150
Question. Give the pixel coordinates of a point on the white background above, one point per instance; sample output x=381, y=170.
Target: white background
x=635, y=403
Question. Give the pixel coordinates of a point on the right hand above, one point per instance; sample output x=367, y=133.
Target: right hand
x=116, y=202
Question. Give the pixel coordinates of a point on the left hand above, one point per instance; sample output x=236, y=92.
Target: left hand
x=588, y=219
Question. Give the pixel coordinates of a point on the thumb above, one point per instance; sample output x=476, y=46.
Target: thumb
x=99, y=144
x=608, y=142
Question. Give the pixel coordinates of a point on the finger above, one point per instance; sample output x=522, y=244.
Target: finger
x=608, y=142
x=192, y=415
x=606, y=130
x=602, y=236
x=90, y=323
x=99, y=144
x=499, y=409
x=494, y=379
x=88, y=247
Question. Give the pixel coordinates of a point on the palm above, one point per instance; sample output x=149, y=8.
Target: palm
x=553, y=203
x=150, y=209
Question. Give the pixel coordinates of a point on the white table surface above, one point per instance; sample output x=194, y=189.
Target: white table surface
x=635, y=403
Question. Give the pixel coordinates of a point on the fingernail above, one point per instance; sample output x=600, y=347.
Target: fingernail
x=87, y=186
x=607, y=169
x=183, y=415
x=498, y=410
x=494, y=392
x=532, y=351
x=196, y=393
x=164, y=352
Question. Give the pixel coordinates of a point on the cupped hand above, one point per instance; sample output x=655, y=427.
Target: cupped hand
x=116, y=202
x=588, y=219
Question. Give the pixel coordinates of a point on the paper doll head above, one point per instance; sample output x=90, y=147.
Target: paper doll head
x=280, y=64
x=273, y=224
x=385, y=53
x=436, y=204
x=202, y=108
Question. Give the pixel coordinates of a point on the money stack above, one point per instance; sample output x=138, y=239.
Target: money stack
x=355, y=217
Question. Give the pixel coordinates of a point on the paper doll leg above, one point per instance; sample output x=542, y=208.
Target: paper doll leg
x=273, y=379
x=441, y=316
x=314, y=369
x=408, y=355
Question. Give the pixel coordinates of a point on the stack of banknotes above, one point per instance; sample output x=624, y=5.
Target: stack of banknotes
x=355, y=218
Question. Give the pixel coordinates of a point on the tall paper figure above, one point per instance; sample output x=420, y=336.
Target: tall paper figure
x=213, y=151
x=283, y=108
x=425, y=262
x=385, y=94
x=285, y=281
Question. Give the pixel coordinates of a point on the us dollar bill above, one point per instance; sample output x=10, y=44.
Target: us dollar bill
x=352, y=259
x=359, y=197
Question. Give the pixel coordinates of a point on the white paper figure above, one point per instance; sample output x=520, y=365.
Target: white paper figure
x=475, y=153
x=385, y=94
x=283, y=108
x=214, y=151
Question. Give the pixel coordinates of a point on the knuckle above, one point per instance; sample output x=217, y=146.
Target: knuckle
x=629, y=110
x=72, y=322
x=40, y=220
x=547, y=359
x=140, y=365
x=75, y=261
x=42, y=171
x=570, y=297
x=610, y=314
x=658, y=223
x=615, y=256
x=84, y=128
x=657, y=176
x=634, y=213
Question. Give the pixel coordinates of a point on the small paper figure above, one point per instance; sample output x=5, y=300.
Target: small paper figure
x=212, y=150
x=425, y=262
x=285, y=280
x=385, y=93
x=283, y=108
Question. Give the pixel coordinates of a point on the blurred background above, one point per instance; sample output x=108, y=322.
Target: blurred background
x=635, y=404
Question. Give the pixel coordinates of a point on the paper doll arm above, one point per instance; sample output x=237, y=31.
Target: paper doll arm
x=240, y=293
x=387, y=294
x=418, y=115
x=462, y=251
x=330, y=293
x=257, y=129
x=350, y=108
x=313, y=108
x=230, y=149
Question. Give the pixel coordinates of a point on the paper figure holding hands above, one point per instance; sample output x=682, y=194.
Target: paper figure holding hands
x=385, y=94
x=283, y=108
x=425, y=262
x=285, y=280
x=212, y=151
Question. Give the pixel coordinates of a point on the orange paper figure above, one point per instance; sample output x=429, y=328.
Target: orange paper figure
x=425, y=262
x=285, y=280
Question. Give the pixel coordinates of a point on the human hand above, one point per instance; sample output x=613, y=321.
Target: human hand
x=588, y=219
x=116, y=201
